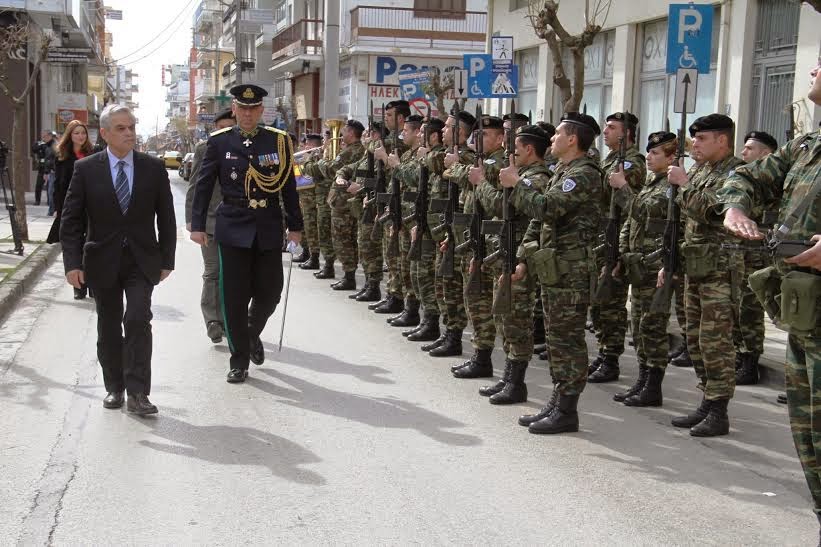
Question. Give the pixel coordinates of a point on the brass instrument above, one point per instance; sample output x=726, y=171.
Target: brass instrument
x=334, y=144
x=302, y=156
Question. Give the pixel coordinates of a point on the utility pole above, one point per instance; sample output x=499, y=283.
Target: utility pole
x=238, y=41
x=330, y=49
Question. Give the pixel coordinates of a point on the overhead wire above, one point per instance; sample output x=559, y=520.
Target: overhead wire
x=158, y=35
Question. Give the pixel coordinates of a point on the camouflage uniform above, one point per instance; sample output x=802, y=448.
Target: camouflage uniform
x=787, y=176
x=395, y=285
x=323, y=212
x=517, y=326
x=343, y=221
x=566, y=219
x=308, y=203
x=479, y=306
x=711, y=281
x=551, y=164
x=610, y=318
x=408, y=174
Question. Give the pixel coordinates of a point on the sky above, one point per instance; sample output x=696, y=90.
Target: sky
x=144, y=23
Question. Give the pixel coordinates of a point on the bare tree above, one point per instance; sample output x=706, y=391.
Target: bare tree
x=184, y=133
x=438, y=87
x=13, y=38
x=544, y=17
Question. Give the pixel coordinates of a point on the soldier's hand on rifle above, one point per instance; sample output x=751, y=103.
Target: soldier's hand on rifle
x=617, y=179
x=413, y=233
x=475, y=175
x=421, y=152
x=443, y=247
x=393, y=159
x=660, y=279
x=341, y=182
x=740, y=224
x=450, y=159
x=76, y=278
x=199, y=238
x=354, y=188
x=380, y=154
x=811, y=258
x=520, y=272
x=509, y=177
x=677, y=175
x=473, y=265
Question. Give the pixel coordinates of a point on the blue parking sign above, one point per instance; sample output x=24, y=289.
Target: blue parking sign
x=480, y=74
x=689, y=37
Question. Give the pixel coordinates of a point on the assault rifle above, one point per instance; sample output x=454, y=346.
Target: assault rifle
x=447, y=218
x=420, y=208
x=474, y=239
x=771, y=245
x=373, y=185
x=392, y=214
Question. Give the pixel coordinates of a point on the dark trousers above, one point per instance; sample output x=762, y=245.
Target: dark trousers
x=126, y=360
x=38, y=186
x=248, y=276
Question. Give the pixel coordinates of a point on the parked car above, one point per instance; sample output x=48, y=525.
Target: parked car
x=185, y=166
x=172, y=159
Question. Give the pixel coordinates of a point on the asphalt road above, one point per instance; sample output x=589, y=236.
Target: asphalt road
x=352, y=435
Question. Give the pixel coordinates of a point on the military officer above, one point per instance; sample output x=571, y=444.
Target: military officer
x=254, y=166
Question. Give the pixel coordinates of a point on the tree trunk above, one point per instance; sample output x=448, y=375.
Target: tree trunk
x=18, y=171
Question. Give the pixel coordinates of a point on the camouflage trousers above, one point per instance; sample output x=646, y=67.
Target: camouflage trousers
x=422, y=276
x=610, y=320
x=405, y=264
x=310, y=233
x=450, y=295
x=565, y=311
x=748, y=332
x=517, y=326
x=649, y=329
x=323, y=213
x=479, y=308
x=710, y=307
x=803, y=375
x=678, y=304
x=369, y=239
x=394, y=286
x=344, y=239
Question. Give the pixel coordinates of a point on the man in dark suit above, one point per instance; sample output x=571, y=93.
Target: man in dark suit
x=122, y=193
x=255, y=169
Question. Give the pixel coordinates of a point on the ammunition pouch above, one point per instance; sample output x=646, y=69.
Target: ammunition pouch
x=766, y=285
x=635, y=270
x=801, y=302
x=549, y=265
x=702, y=259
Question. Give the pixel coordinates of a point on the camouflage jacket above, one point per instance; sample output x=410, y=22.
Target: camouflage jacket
x=408, y=174
x=536, y=176
x=350, y=154
x=644, y=210
x=435, y=160
x=635, y=171
x=492, y=165
x=784, y=177
x=699, y=203
x=458, y=173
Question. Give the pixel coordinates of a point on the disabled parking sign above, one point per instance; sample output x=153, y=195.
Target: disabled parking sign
x=689, y=37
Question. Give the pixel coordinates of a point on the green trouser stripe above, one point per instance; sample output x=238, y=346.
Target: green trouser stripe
x=222, y=297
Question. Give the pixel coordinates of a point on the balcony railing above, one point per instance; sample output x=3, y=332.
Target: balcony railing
x=408, y=27
x=302, y=38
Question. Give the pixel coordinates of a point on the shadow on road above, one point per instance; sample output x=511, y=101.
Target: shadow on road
x=326, y=364
x=229, y=445
x=382, y=412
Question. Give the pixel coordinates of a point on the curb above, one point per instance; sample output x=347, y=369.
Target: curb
x=14, y=287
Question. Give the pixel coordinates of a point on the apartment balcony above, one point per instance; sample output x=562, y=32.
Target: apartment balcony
x=296, y=45
x=385, y=27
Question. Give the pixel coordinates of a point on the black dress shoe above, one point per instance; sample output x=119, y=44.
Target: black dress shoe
x=114, y=399
x=257, y=351
x=140, y=405
x=237, y=375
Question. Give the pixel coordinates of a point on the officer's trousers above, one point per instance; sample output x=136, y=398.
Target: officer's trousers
x=247, y=274
x=210, y=297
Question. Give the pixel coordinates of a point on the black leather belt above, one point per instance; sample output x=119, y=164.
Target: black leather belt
x=248, y=203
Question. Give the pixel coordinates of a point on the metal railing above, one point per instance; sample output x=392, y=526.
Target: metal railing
x=302, y=38
x=419, y=28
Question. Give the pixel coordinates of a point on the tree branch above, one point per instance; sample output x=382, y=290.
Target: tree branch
x=559, y=76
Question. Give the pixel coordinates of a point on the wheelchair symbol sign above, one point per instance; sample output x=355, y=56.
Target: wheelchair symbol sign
x=689, y=37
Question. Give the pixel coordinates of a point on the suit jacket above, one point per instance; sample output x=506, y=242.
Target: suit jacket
x=216, y=198
x=91, y=195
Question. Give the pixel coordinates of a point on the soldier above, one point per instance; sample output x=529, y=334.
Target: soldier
x=425, y=269
x=610, y=316
x=406, y=170
x=323, y=212
x=539, y=334
x=210, y=303
x=517, y=327
x=711, y=276
x=480, y=304
x=560, y=255
x=254, y=165
x=748, y=334
x=645, y=212
x=791, y=176
x=343, y=221
x=309, y=200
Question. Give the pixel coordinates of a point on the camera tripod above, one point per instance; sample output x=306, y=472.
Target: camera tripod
x=8, y=197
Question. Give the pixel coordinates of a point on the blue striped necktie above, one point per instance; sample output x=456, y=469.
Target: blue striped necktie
x=123, y=193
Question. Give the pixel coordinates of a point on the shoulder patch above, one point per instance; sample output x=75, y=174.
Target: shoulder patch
x=669, y=192
x=490, y=161
x=275, y=130
x=220, y=131
x=568, y=185
x=552, y=167
x=527, y=182
x=731, y=173
x=628, y=164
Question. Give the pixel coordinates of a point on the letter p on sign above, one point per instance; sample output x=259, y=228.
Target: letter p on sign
x=689, y=21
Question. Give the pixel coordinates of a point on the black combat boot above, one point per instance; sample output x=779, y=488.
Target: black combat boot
x=694, y=417
x=747, y=373
x=515, y=390
x=306, y=254
x=539, y=348
x=428, y=330
x=479, y=366
x=361, y=291
x=782, y=398
x=683, y=360
x=487, y=391
x=451, y=346
x=393, y=304
x=545, y=355
x=372, y=306
x=635, y=388
x=327, y=271
x=676, y=350
x=608, y=371
x=563, y=419
x=650, y=394
x=312, y=263
x=347, y=283
x=528, y=419
x=436, y=343
x=409, y=316
x=716, y=423
x=595, y=363
x=372, y=292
